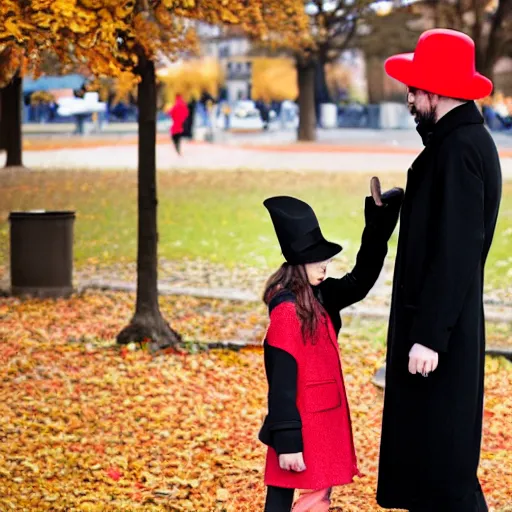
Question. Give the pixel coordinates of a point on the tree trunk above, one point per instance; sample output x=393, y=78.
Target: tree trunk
x=495, y=38
x=375, y=80
x=147, y=322
x=322, y=94
x=10, y=121
x=2, y=131
x=307, y=117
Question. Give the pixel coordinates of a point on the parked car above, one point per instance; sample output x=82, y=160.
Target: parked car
x=245, y=109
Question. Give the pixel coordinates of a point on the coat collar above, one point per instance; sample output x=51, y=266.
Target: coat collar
x=463, y=115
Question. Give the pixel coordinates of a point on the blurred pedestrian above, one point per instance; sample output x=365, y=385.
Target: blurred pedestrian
x=179, y=114
x=226, y=110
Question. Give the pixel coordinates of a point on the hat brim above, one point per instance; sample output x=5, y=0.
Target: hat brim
x=322, y=251
x=402, y=68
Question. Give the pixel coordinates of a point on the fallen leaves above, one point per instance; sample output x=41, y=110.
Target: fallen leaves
x=87, y=427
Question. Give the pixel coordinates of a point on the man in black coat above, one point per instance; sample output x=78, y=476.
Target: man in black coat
x=433, y=406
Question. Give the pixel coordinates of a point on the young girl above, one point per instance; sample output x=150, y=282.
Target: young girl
x=308, y=429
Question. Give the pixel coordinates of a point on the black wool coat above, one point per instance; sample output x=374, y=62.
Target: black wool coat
x=432, y=427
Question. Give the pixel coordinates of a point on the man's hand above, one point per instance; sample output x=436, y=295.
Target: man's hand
x=422, y=360
x=292, y=462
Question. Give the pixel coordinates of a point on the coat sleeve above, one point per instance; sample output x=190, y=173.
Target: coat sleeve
x=354, y=286
x=457, y=252
x=283, y=340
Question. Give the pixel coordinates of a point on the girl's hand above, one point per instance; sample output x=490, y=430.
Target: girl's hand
x=381, y=199
x=381, y=211
x=292, y=462
x=376, y=191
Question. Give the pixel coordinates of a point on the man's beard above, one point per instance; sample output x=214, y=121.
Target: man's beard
x=425, y=120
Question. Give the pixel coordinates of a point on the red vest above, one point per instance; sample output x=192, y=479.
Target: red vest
x=329, y=452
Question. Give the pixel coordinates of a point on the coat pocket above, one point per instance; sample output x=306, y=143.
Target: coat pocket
x=321, y=396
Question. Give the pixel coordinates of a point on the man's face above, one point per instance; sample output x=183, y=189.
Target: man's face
x=423, y=106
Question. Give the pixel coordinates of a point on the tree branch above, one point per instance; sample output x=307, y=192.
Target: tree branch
x=343, y=45
x=460, y=13
x=331, y=16
x=477, y=26
x=494, y=44
x=7, y=38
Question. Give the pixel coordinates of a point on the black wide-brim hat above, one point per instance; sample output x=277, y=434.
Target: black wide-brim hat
x=298, y=231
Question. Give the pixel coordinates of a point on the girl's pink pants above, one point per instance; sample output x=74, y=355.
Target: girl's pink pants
x=313, y=501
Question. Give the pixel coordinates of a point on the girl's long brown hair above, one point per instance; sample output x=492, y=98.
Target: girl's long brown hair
x=295, y=279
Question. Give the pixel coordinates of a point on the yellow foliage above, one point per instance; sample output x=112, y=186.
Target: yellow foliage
x=274, y=79
x=122, y=87
x=125, y=8
x=40, y=97
x=190, y=79
x=87, y=32
x=43, y=5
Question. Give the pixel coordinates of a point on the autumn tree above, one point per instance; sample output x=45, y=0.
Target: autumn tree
x=400, y=28
x=111, y=37
x=332, y=26
x=191, y=79
x=487, y=22
x=273, y=79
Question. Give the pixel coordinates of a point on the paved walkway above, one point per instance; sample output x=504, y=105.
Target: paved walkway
x=335, y=151
x=214, y=157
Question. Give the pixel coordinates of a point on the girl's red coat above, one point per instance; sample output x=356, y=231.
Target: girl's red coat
x=329, y=452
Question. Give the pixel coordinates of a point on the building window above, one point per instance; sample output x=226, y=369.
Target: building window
x=224, y=52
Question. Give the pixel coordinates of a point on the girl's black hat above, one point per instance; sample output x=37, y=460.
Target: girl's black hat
x=298, y=231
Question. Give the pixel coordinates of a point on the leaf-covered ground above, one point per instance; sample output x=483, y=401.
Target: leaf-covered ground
x=87, y=426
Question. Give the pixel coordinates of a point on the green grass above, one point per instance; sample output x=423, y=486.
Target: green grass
x=375, y=332
x=209, y=215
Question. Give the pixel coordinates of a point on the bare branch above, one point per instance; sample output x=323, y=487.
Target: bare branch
x=494, y=45
x=338, y=43
x=7, y=39
x=477, y=26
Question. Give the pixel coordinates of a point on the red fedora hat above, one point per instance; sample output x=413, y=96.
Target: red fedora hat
x=443, y=63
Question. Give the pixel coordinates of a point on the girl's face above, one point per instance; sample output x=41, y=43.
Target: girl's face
x=316, y=272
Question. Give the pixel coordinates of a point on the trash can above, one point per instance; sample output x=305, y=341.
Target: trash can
x=42, y=253
x=329, y=115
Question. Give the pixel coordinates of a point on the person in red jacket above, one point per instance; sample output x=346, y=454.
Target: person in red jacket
x=308, y=429
x=178, y=113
